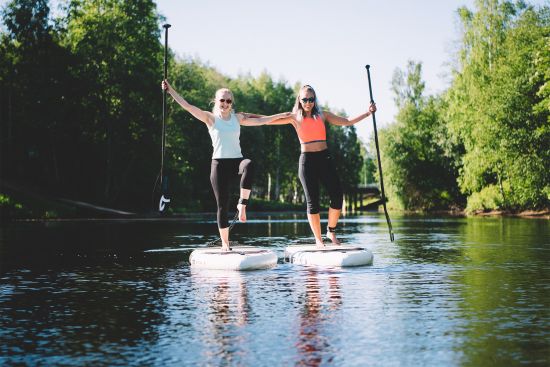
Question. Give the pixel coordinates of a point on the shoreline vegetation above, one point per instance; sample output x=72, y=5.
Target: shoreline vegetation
x=80, y=119
x=483, y=143
x=37, y=207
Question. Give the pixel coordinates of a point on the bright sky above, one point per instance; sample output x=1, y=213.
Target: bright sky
x=323, y=43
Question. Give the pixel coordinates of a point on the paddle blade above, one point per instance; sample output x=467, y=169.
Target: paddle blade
x=164, y=200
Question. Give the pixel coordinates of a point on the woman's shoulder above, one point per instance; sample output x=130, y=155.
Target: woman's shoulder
x=237, y=116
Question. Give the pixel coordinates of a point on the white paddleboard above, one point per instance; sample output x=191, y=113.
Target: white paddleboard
x=239, y=258
x=338, y=256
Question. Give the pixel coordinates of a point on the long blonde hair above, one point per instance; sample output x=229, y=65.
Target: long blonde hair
x=299, y=111
x=216, y=108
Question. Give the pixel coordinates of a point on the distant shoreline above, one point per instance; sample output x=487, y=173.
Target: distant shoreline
x=193, y=216
x=543, y=213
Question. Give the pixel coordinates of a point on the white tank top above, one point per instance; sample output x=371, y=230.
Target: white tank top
x=225, y=138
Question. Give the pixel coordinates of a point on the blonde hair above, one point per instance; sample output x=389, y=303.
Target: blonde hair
x=299, y=111
x=216, y=108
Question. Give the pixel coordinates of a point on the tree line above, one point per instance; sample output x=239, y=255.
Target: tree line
x=81, y=111
x=484, y=143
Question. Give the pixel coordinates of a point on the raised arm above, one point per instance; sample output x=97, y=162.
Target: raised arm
x=342, y=121
x=204, y=116
x=247, y=119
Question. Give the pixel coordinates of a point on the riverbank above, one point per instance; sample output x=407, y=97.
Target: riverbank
x=30, y=205
x=544, y=213
x=33, y=205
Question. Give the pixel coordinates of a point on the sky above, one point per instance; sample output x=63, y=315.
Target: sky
x=322, y=43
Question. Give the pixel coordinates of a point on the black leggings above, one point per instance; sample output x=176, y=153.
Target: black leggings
x=222, y=172
x=315, y=167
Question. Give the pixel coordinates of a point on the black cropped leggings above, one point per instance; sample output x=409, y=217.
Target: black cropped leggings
x=222, y=172
x=315, y=168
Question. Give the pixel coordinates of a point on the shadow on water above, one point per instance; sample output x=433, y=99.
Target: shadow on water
x=448, y=291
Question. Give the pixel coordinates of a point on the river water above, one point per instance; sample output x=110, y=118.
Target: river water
x=448, y=292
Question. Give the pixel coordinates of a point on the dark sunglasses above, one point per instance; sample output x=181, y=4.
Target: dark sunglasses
x=228, y=101
x=310, y=100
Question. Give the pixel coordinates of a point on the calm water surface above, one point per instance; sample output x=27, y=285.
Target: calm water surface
x=447, y=292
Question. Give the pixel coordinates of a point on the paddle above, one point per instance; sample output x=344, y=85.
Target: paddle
x=379, y=161
x=164, y=198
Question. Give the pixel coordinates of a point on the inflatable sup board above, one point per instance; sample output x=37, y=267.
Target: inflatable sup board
x=338, y=256
x=239, y=258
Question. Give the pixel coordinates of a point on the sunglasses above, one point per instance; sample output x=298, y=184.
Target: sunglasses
x=310, y=100
x=228, y=101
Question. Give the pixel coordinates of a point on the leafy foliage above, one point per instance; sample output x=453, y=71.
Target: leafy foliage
x=495, y=104
x=420, y=175
x=488, y=135
x=81, y=111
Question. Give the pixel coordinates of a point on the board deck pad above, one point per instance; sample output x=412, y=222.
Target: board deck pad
x=237, y=251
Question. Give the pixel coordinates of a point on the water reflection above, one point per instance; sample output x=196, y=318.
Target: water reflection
x=431, y=241
x=314, y=344
x=502, y=297
x=448, y=292
x=76, y=312
x=225, y=333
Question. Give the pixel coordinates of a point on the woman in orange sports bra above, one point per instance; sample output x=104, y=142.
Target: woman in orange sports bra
x=315, y=163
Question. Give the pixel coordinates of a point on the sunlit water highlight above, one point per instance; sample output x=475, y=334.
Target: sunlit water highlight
x=447, y=292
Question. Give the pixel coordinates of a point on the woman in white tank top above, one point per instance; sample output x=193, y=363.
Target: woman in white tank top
x=227, y=160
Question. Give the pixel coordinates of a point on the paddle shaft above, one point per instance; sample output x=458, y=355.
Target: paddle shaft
x=379, y=161
x=163, y=144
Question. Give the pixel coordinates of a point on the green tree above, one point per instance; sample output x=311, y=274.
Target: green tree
x=81, y=114
x=33, y=71
x=420, y=175
x=118, y=66
x=494, y=106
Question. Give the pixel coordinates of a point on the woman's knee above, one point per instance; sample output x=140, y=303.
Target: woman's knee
x=313, y=208
x=337, y=199
x=222, y=218
x=246, y=165
x=246, y=170
x=337, y=203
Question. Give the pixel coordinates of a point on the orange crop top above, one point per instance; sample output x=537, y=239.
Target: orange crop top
x=311, y=130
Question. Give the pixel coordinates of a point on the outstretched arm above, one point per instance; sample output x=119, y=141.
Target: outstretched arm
x=205, y=116
x=250, y=115
x=247, y=120
x=342, y=121
x=283, y=121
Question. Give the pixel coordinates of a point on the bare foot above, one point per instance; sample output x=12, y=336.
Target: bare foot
x=242, y=212
x=332, y=236
x=225, y=247
x=319, y=244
